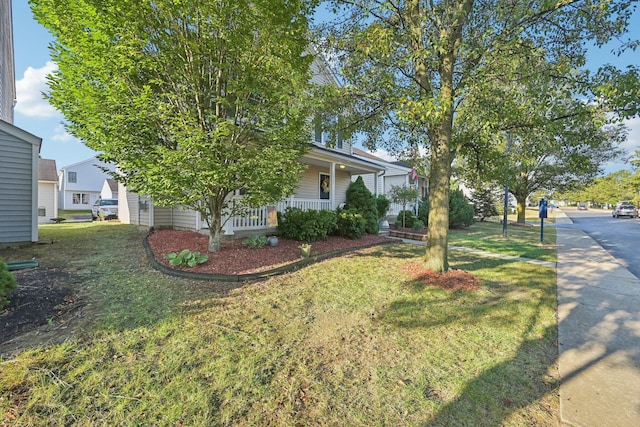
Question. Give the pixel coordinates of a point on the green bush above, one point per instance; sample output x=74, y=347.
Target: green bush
x=382, y=206
x=417, y=224
x=423, y=210
x=306, y=226
x=460, y=211
x=350, y=223
x=186, y=258
x=405, y=219
x=360, y=198
x=7, y=283
x=255, y=242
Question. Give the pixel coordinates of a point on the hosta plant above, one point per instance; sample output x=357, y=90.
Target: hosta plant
x=186, y=258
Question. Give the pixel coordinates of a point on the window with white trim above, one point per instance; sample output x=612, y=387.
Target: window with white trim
x=80, y=198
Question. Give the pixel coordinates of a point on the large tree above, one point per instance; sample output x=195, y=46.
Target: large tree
x=411, y=66
x=194, y=101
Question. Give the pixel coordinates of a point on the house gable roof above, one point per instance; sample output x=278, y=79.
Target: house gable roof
x=47, y=170
x=21, y=134
x=113, y=185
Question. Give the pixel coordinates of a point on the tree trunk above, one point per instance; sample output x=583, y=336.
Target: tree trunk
x=215, y=222
x=437, y=255
x=521, y=208
x=214, y=239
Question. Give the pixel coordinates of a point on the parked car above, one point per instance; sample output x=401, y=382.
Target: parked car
x=582, y=207
x=625, y=210
x=105, y=209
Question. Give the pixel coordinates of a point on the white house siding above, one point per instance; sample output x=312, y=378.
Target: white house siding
x=18, y=185
x=397, y=181
x=47, y=201
x=89, y=181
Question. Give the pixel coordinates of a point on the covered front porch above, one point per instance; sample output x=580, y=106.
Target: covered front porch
x=322, y=186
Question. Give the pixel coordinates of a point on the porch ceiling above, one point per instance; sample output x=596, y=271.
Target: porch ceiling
x=355, y=166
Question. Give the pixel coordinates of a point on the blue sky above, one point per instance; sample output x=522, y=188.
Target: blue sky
x=35, y=115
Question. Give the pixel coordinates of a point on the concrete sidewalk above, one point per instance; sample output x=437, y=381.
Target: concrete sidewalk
x=598, y=334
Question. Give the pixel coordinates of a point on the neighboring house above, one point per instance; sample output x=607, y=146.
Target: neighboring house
x=322, y=186
x=81, y=183
x=47, y=190
x=109, y=189
x=19, y=152
x=397, y=174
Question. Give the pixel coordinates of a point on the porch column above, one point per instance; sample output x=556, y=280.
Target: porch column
x=332, y=191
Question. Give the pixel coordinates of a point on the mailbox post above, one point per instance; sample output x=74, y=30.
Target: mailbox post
x=542, y=213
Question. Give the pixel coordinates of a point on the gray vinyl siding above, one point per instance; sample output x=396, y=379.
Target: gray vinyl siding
x=184, y=219
x=16, y=189
x=162, y=217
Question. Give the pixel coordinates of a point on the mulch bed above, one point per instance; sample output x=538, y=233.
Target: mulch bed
x=42, y=297
x=234, y=258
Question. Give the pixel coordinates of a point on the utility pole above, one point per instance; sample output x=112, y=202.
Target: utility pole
x=506, y=192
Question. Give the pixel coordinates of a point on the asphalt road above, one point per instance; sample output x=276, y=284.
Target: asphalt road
x=619, y=236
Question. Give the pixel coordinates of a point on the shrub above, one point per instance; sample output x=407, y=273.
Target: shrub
x=485, y=201
x=255, y=241
x=306, y=226
x=350, y=223
x=417, y=224
x=360, y=198
x=7, y=283
x=186, y=258
x=423, y=210
x=460, y=211
x=382, y=206
x=405, y=219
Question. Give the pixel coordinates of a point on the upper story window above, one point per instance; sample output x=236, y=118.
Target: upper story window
x=322, y=137
x=72, y=177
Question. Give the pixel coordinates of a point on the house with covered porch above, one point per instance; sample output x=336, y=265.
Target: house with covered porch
x=323, y=185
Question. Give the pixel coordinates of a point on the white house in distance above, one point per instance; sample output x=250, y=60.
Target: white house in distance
x=47, y=190
x=109, y=189
x=81, y=183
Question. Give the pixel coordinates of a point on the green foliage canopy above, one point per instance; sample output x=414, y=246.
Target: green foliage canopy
x=437, y=74
x=192, y=100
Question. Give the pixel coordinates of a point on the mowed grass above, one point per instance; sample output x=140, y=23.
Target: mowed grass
x=349, y=341
x=521, y=241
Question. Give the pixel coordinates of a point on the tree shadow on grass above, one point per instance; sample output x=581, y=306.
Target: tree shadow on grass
x=497, y=393
x=523, y=386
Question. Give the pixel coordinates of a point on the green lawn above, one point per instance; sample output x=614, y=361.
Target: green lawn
x=349, y=341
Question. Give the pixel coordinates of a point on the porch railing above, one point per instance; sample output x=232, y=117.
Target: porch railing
x=396, y=208
x=257, y=217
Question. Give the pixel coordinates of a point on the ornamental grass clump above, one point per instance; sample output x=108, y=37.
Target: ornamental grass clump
x=186, y=258
x=7, y=283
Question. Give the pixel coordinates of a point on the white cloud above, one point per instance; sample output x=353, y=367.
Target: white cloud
x=61, y=134
x=29, y=91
